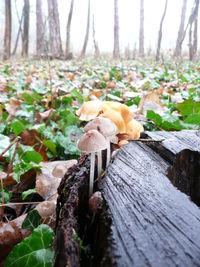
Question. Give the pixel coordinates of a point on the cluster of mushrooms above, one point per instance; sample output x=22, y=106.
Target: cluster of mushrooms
x=110, y=122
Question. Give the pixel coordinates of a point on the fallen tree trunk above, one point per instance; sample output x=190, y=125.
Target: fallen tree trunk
x=144, y=220
x=181, y=150
x=153, y=223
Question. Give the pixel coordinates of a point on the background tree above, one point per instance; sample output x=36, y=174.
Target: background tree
x=54, y=29
x=160, y=32
x=141, y=35
x=39, y=28
x=67, y=51
x=116, y=52
x=96, y=47
x=177, y=51
x=20, y=31
x=87, y=32
x=193, y=30
x=25, y=35
x=8, y=30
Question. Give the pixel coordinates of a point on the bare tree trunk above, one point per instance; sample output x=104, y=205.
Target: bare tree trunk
x=19, y=30
x=8, y=30
x=87, y=32
x=190, y=43
x=54, y=29
x=67, y=51
x=195, y=36
x=25, y=37
x=141, y=36
x=57, y=22
x=190, y=21
x=193, y=25
x=116, y=53
x=96, y=47
x=160, y=32
x=177, y=51
x=39, y=29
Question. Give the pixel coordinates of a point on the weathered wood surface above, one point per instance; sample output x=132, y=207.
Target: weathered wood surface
x=153, y=223
x=174, y=142
x=181, y=149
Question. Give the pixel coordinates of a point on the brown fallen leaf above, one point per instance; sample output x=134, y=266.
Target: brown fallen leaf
x=32, y=138
x=46, y=181
x=111, y=85
x=43, y=116
x=4, y=88
x=11, y=233
x=13, y=106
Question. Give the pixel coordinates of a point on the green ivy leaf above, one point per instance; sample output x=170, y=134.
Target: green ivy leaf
x=22, y=168
x=28, y=192
x=17, y=127
x=151, y=115
x=39, y=88
x=193, y=119
x=32, y=156
x=29, y=99
x=50, y=145
x=34, y=250
x=188, y=107
x=68, y=118
x=32, y=220
x=77, y=95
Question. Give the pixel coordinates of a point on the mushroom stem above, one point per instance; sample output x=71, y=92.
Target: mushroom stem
x=99, y=157
x=108, y=153
x=92, y=169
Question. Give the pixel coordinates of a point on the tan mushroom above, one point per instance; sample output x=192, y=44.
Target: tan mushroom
x=108, y=129
x=92, y=142
x=114, y=116
x=121, y=108
x=89, y=110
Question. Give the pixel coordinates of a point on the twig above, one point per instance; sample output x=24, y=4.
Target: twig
x=11, y=144
x=13, y=157
x=2, y=193
x=20, y=203
x=148, y=140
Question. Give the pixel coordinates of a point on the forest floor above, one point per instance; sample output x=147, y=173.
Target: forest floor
x=39, y=127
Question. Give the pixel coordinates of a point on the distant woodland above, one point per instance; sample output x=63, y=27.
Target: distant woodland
x=48, y=34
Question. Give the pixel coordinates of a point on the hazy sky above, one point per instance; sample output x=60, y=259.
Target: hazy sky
x=103, y=14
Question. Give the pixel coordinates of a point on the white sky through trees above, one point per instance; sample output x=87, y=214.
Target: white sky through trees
x=103, y=12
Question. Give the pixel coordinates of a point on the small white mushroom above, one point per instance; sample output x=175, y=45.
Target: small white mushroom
x=107, y=128
x=92, y=142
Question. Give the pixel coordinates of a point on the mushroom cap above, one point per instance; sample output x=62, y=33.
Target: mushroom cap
x=103, y=125
x=115, y=117
x=122, y=108
x=89, y=110
x=92, y=141
x=133, y=130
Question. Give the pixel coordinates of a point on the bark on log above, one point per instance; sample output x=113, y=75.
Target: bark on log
x=71, y=203
x=145, y=220
x=153, y=223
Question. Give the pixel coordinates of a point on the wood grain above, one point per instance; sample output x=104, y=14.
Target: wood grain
x=153, y=223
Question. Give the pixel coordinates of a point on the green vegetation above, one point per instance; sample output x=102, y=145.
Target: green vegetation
x=38, y=121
